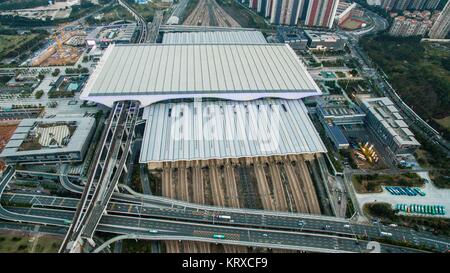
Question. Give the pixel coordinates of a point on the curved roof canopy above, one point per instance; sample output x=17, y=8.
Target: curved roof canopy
x=157, y=72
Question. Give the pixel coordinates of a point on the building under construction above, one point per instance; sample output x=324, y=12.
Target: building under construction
x=60, y=53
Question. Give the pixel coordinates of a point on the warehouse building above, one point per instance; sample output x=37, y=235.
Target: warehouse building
x=56, y=140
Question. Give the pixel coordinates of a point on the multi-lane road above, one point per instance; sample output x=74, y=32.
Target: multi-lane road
x=104, y=173
x=200, y=225
x=159, y=229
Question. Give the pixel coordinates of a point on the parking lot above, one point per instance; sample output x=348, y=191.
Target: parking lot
x=434, y=196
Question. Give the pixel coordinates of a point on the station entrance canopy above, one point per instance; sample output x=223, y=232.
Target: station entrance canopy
x=157, y=72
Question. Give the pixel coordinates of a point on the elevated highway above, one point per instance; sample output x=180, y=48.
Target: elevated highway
x=104, y=173
x=143, y=36
x=175, y=222
x=158, y=229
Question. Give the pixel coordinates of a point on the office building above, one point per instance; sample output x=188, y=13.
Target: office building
x=386, y=122
x=285, y=12
x=319, y=13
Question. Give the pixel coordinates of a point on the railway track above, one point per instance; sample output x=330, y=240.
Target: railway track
x=209, y=13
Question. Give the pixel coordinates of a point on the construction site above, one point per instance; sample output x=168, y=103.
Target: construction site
x=209, y=13
x=66, y=49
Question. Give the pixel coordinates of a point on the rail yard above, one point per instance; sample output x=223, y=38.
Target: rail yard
x=209, y=13
x=276, y=183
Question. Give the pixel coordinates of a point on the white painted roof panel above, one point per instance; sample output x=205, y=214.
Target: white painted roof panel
x=166, y=71
x=227, y=129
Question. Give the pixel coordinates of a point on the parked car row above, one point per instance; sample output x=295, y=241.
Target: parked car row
x=405, y=191
x=421, y=209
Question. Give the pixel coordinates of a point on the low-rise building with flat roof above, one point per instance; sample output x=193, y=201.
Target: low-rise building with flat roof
x=340, y=112
x=325, y=40
x=37, y=141
x=295, y=38
x=388, y=125
x=336, y=136
x=105, y=35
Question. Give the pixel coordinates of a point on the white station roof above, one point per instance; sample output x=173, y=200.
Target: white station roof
x=227, y=129
x=156, y=72
x=214, y=37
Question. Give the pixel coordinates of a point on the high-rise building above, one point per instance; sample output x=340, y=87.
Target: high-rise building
x=264, y=7
x=441, y=26
x=431, y=4
x=285, y=12
x=404, y=26
x=388, y=4
x=417, y=4
x=374, y=2
x=402, y=4
x=253, y=4
x=319, y=13
x=407, y=4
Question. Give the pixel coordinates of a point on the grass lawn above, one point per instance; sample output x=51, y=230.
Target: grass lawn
x=139, y=246
x=444, y=122
x=10, y=43
x=372, y=183
x=340, y=74
x=16, y=242
x=21, y=4
x=351, y=24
